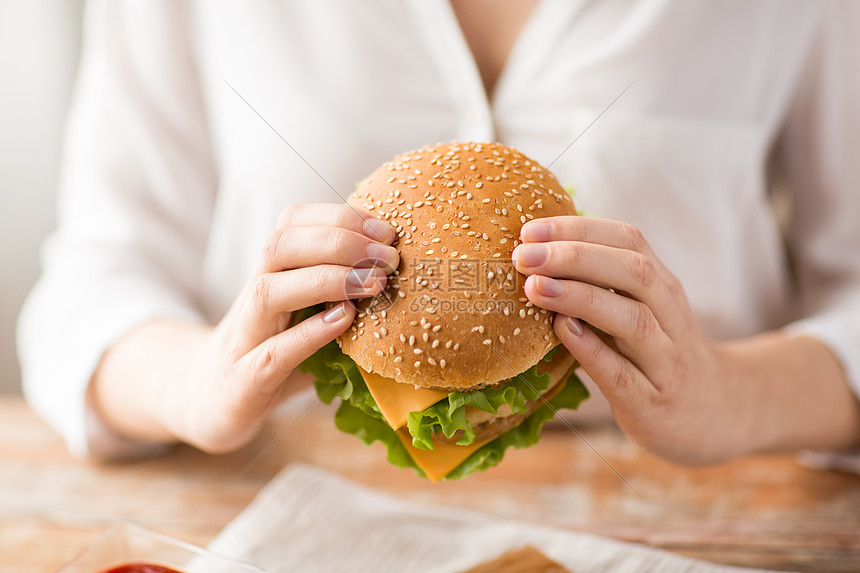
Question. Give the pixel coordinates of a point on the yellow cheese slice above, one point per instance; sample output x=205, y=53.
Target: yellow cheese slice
x=396, y=400
x=444, y=457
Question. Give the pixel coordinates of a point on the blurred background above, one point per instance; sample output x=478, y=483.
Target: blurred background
x=39, y=46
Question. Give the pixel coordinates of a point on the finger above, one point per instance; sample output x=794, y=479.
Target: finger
x=631, y=272
x=276, y=293
x=623, y=385
x=341, y=215
x=585, y=229
x=269, y=364
x=634, y=327
x=297, y=247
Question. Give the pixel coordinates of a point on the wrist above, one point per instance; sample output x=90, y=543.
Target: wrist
x=792, y=394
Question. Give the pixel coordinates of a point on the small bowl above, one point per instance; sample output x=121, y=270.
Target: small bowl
x=126, y=543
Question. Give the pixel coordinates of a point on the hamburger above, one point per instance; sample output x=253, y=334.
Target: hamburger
x=451, y=364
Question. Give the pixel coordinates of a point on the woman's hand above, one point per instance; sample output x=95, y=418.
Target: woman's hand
x=666, y=383
x=222, y=382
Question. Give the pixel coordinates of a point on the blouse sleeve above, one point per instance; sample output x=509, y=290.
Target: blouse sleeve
x=136, y=194
x=820, y=158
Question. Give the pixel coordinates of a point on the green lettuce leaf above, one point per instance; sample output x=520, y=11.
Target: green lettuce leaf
x=368, y=429
x=526, y=434
x=336, y=375
x=448, y=416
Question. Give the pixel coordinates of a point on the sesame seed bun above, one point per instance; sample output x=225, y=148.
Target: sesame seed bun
x=454, y=315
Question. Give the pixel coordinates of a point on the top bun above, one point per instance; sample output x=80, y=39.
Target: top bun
x=454, y=314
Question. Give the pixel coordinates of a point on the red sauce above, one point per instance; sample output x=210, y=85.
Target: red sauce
x=140, y=568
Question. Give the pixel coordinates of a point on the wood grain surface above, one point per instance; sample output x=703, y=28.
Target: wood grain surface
x=764, y=512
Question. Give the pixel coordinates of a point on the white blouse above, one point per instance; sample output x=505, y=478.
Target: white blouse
x=171, y=181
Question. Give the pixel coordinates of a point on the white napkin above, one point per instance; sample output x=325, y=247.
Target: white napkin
x=307, y=519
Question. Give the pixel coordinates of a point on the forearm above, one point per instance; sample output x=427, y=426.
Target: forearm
x=791, y=393
x=131, y=387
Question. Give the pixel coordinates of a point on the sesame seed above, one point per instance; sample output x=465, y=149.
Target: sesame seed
x=398, y=359
x=375, y=334
x=517, y=331
x=412, y=338
x=417, y=363
x=424, y=337
x=487, y=342
x=417, y=350
x=522, y=313
x=437, y=328
x=380, y=353
x=442, y=363
x=431, y=361
x=457, y=346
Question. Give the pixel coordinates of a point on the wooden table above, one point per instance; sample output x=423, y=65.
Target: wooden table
x=766, y=512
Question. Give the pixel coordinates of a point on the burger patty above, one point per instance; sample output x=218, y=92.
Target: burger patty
x=488, y=425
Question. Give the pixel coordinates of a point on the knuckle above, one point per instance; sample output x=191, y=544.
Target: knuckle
x=271, y=247
x=625, y=378
x=588, y=295
x=573, y=253
x=348, y=216
x=318, y=278
x=262, y=292
x=643, y=271
x=270, y=359
x=596, y=353
x=335, y=240
x=287, y=214
x=643, y=321
x=634, y=237
x=302, y=335
x=674, y=285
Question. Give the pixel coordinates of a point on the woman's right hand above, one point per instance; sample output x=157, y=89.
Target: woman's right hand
x=223, y=381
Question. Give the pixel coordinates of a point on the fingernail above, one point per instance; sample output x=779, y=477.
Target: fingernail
x=363, y=278
x=548, y=286
x=531, y=255
x=335, y=313
x=378, y=230
x=536, y=232
x=574, y=326
x=382, y=255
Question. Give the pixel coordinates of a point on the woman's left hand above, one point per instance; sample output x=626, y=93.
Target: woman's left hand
x=666, y=382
